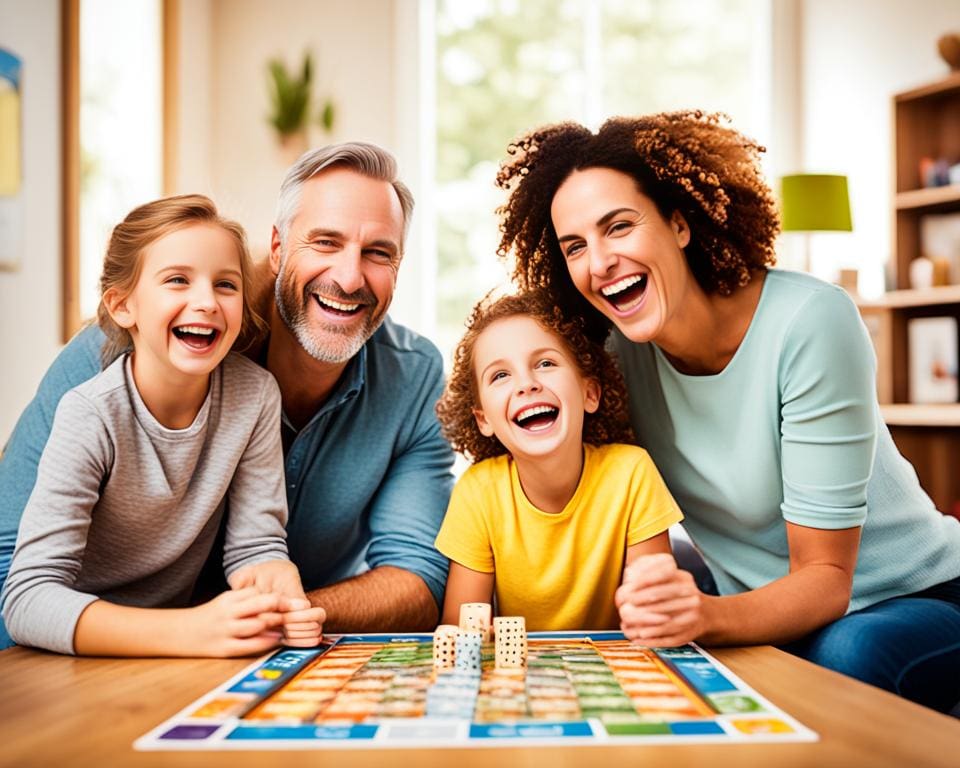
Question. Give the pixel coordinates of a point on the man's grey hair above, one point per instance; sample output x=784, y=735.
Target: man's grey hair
x=366, y=159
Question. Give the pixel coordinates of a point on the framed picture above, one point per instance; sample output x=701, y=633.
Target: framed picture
x=940, y=242
x=932, y=344
x=11, y=154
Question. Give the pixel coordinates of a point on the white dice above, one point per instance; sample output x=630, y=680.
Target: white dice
x=510, y=633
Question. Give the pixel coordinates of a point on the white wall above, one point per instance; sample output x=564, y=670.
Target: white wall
x=30, y=296
x=856, y=54
x=352, y=45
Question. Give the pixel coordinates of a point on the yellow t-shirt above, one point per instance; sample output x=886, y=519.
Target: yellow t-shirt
x=559, y=570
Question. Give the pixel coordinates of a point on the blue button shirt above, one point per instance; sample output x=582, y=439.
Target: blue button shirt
x=368, y=477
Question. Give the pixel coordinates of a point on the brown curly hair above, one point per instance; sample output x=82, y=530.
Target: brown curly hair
x=683, y=161
x=609, y=424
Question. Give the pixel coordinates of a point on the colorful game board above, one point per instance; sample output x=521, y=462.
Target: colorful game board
x=371, y=691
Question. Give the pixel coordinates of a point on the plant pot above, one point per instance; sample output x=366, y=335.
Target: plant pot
x=292, y=145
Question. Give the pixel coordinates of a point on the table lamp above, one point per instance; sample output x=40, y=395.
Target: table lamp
x=814, y=202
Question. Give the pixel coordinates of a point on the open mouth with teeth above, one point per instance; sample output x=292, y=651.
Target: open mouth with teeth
x=626, y=293
x=536, y=418
x=196, y=336
x=339, y=308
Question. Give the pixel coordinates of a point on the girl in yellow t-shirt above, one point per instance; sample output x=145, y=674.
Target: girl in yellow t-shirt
x=556, y=504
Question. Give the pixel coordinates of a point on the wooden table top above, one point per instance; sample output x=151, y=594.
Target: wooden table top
x=59, y=710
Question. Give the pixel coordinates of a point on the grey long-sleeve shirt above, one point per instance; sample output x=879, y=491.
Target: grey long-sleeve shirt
x=127, y=510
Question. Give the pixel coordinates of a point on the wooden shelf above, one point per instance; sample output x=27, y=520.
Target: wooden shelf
x=950, y=83
x=913, y=415
x=904, y=299
x=928, y=197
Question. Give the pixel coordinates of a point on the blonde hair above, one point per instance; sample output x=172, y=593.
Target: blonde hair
x=145, y=225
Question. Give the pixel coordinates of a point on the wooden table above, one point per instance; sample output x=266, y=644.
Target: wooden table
x=63, y=711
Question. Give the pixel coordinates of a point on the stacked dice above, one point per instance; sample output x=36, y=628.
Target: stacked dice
x=476, y=617
x=445, y=646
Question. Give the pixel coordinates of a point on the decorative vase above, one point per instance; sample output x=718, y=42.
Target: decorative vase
x=949, y=47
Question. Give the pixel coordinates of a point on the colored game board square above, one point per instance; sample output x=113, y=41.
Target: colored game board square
x=599, y=689
x=651, y=687
x=300, y=694
x=221, y=708
x=301, y=732
x=696, y=728
x=578, y=667
x=767, y=725
x=400, y=709
x=668, y=703
x=619, y=718
x=551, y=691
x=293, y=710
x=190, y=732
x=731, y=703
x=592, y=677
x=637, y=729
x=535, y=672
x=529, y=731
x=606, y=704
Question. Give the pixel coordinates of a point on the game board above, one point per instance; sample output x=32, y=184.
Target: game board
x=371, y=691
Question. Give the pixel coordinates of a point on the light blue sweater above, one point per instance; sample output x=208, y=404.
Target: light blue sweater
x=789, y=430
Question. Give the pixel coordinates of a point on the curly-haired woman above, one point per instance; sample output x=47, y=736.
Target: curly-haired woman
x=555, y=496
x=753, y=390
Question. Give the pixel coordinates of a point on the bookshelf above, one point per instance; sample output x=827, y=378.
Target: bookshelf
x=926, y=124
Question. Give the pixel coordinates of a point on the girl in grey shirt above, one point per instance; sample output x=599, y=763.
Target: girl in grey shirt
x=146, y=458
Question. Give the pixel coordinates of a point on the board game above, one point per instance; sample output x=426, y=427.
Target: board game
x=370, y=691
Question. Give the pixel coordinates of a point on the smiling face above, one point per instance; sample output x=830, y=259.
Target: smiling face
x=186, y=308
x=622, y=255
x=532, y=396
x=337, y=270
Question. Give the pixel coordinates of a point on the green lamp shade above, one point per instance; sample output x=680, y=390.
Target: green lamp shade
x=815, y=202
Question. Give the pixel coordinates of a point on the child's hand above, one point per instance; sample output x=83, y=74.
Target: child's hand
x=302, y=624
x=241, y=622
x=659, y=604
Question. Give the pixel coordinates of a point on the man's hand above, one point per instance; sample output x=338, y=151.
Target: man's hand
x=659, y=604
x=302, y=624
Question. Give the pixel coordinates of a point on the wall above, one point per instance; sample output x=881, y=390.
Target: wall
x=352, y=45
x=30, y=296
x=855, y=55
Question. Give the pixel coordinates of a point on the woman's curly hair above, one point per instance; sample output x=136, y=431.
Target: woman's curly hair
x=683, y=161
x=609, y=424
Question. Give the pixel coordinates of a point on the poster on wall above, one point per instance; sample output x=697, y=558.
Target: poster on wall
x=11, y=160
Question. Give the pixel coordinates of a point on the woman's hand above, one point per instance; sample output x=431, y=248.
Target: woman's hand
x=660, y=605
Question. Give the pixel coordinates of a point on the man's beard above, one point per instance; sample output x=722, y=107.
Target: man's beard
x=325, y=343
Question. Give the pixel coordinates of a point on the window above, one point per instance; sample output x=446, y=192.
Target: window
x=502, y=67
x=115, y=123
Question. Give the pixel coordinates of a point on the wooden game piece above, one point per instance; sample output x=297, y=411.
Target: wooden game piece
x=511, y=642
x=476, y=616
x=445, y=646
x=469, y=644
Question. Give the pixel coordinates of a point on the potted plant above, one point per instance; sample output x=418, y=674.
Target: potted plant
x=290, y=103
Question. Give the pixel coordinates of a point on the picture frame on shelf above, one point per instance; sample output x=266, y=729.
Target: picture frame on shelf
x=933, y=351
x=940, y=243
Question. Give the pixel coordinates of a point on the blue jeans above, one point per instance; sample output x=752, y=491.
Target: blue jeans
x=908, y=645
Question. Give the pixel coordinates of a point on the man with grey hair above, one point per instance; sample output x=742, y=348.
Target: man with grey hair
x=367, y=471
